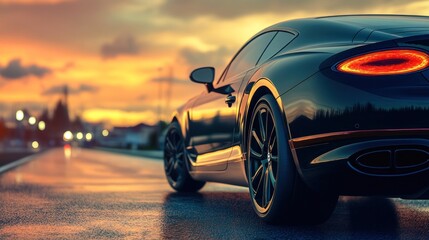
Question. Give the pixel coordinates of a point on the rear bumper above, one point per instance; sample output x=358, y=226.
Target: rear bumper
x=339, y=178
x=392, y=163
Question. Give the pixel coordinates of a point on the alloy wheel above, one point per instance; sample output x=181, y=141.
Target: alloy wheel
x=173, y=156
x=263, y=158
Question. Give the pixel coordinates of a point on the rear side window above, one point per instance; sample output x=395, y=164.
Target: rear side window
x=249, y=55
x=277, y=44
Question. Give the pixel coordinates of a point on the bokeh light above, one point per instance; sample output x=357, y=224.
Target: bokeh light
x=68, y=136
x=42, y=125
x=79, y=136
x=105, y=133
x=35, y=144
x=88, y=137
x=19, y=115
x=32, y=120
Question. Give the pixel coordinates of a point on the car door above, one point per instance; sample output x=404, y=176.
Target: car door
x=212, y=117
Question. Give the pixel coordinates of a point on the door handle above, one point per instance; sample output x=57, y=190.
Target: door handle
x=230, y=100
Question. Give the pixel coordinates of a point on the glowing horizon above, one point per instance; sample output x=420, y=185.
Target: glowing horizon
x=116, y=55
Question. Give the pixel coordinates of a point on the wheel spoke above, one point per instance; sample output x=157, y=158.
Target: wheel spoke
x=174, y=138
x=176, y=165
x=256, y=191
x=273, y=144
x=266, y=190
x=179, y=155
x=261, y=125
x=255, y=153
x=274, y=158
x=169, y=144
x=179, y=145
x=271, y=175
x=257, y=139
x=169, y=166
x=179, y=163
x=259, y=173
x=267, y=126
x=272, y=139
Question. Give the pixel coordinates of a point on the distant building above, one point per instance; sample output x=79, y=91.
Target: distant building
x=135, y=137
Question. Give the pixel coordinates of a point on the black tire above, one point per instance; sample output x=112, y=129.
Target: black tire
x=175, y=166
x=278, y=194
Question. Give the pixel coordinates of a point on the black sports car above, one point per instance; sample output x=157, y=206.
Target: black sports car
x=308, y=110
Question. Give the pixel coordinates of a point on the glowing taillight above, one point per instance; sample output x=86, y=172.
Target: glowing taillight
x=387, y=62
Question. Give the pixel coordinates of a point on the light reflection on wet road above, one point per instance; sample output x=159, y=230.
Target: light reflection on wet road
x=93, y=194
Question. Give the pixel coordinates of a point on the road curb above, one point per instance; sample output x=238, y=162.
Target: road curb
x=16, y=163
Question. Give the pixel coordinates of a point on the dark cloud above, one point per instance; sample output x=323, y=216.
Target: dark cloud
x=59, y=89
x=121, y=45
x=15, y=70
x=86, y=88
x=216, y=58
x=54, y=90
x=238, y=8
x=68, y=21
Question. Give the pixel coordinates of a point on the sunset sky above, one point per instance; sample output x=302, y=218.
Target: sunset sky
x=115, y=54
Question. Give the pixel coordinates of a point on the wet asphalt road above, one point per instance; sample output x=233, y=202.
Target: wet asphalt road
x=87, y=194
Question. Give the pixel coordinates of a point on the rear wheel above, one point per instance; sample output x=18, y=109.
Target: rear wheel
x=175, y=166
x=277, y=191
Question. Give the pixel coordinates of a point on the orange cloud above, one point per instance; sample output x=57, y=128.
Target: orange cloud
x=118, y=117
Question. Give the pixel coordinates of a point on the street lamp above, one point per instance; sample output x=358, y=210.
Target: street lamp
x=105, y=133
x=88, y=137
x=79, y=136
x=19, y=115
x=35, y=144
x=32, y=120
x=42, y=125
x=68, y=136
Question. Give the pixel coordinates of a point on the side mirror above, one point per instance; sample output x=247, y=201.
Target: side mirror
x=204, y=75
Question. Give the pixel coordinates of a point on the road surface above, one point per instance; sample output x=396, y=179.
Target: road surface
x=88, y=194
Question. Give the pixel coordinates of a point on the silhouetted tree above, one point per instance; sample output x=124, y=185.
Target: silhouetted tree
x=60, y=121
x=4, y=131
x=77, y=125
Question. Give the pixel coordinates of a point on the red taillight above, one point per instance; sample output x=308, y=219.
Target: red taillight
x=388, y=62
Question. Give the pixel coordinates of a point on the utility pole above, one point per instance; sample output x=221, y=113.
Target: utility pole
x=169, y=91
x=160, y=95
x=66, y=107
x=159, y=104
x=66, y=94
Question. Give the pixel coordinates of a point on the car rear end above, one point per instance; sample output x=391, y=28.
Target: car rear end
x=362, y=126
